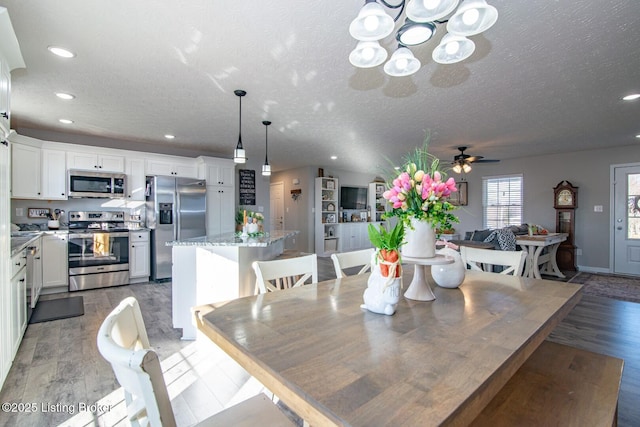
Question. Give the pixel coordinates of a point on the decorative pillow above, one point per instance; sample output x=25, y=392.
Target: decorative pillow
x=505, y=238
x=481, y=235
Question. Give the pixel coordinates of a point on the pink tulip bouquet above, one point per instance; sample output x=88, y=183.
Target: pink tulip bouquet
x=421, y=191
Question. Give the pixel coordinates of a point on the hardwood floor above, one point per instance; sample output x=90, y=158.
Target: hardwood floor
x=58, y=367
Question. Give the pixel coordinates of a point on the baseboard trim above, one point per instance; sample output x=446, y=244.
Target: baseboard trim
x=587, y=269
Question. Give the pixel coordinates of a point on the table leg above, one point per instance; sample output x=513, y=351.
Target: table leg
x=551, y=267
x=420, y=288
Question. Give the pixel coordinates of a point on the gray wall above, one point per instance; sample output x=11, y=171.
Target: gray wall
x=589, y=170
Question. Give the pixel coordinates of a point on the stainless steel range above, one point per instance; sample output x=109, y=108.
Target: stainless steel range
x=98, y=250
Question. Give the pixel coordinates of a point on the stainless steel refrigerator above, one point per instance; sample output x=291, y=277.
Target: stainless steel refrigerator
x=175, y=210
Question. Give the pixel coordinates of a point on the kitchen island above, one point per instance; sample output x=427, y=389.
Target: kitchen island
x=216, y=268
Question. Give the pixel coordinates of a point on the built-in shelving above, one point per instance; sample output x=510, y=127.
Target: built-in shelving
x=377, y=203
x=326, y=216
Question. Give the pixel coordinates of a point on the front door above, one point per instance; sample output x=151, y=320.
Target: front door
x=626, y=219
x=276, y=213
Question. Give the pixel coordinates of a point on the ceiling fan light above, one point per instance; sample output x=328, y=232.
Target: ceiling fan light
x=429, y=10
x=372, y=23
x=368, y=54
x=472, y=17
x=453, y=48
x=457, y=168
x=466, y=168
x=413, y=33
x=402, y=63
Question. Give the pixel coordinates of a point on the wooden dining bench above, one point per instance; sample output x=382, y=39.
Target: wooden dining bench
x=558, y=385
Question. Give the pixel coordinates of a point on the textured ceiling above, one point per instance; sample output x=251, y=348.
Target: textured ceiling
x=547, y=78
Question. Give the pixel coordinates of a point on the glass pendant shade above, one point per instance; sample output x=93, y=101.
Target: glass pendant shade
x=402, y=63
x=429, y=10
x=266, y=170
x=368, y=54
x=372, y=23
x=472, y=17
x=239, y=155
x=413, y=33
x=453, y=48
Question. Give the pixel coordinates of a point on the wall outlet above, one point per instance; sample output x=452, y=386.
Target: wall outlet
x=578, y=251
x=597, y=208
x=19, y=211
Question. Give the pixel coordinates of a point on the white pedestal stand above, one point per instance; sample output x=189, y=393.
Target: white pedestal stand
x=420, y=288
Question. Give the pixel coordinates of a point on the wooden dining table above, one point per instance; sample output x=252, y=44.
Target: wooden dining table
x=431, y=363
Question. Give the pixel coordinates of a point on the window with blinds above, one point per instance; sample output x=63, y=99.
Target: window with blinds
x=502, y=201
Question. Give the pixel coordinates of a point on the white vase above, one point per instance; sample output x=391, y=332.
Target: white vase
x=420, y=242
x=448, y=275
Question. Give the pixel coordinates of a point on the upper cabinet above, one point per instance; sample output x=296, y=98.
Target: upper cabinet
x=172, y=166
x=217, y=171
x=97, y=162
x=10, y=58
x=38, y=173
x=136, y=179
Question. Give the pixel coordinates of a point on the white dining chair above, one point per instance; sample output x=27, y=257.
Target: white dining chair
x=344, y=260
x=485, y=259
x=285, y=273
x=123, y=342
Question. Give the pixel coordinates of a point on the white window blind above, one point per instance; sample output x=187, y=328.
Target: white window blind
x=502, y=201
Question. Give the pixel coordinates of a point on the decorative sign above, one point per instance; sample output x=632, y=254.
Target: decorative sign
x=247, y=187
x=38, y=212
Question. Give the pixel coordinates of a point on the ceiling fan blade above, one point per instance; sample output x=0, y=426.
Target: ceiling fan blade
x=472, y=159
x=487, y=160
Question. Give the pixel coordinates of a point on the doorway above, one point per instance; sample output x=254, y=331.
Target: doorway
x=626, y=219
x=276, y=201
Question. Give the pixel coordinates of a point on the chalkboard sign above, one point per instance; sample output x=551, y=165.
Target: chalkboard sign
x=247, y=187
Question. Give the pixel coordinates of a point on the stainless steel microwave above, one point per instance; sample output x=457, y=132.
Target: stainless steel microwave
x=96, y=184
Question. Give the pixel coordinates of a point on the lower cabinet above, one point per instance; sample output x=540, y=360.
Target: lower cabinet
x=139, y=259
x=18, y=301
x=355, y=236
x=55, y=270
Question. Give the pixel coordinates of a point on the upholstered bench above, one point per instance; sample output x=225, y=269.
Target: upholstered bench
x=558, y=386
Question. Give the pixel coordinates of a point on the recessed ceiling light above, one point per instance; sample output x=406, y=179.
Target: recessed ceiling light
x=334, y=157
x=60, y=51
x=631, y=97
x=63, y=95
x=66, y=121
x=638, y=135
x=169, y=136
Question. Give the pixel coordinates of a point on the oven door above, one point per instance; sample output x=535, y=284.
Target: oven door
x=98, y=259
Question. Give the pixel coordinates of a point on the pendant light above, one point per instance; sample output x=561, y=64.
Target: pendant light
x=266, y=168
x=239, y=155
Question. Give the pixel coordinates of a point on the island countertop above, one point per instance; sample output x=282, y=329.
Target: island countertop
x=231, y=239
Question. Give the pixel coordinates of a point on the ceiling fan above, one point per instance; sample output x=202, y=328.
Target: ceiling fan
x=462, y=162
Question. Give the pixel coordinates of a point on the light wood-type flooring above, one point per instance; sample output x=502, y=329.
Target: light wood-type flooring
x=58, y=373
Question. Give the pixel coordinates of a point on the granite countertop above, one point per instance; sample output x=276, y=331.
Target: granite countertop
x=230, y=239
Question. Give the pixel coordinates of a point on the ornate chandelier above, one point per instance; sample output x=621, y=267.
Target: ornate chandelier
x=422, y=16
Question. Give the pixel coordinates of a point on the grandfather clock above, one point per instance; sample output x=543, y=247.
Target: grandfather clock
x=565, y=201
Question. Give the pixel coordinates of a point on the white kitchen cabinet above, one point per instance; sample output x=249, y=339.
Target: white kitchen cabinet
x=38, y=173
x=17, y=303
x=219, y=171
x=25, y=172
x=136, y=179
x=178, y=167
x=54, y=175
x=54, y=260
x=139, y=258
x=220, y=209
x=97, y=162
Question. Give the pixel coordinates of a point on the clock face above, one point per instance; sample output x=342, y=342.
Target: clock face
x=565, y=198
